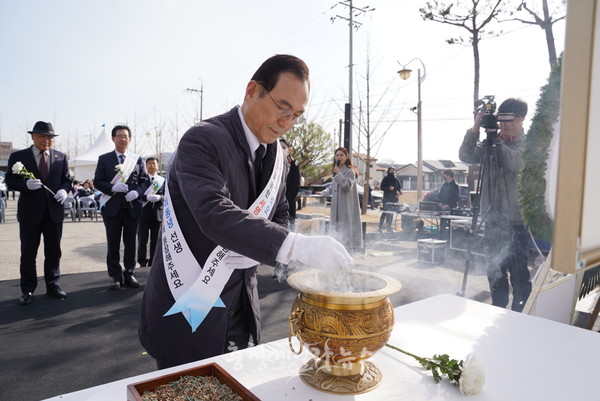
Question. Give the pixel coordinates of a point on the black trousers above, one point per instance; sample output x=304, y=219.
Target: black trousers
x=147, y=229
x=30, y=235
x=292, y=207
x=386, y=218
x=506, y=250
x=125, y=225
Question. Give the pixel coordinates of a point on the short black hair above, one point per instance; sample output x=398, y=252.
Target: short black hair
x=120, y=127
x=516, y=106
x=449, y=172
x=151, y=158
x=268, y=73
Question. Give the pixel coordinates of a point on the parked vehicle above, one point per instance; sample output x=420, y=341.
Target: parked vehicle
x=375, y=194
x=463, y=196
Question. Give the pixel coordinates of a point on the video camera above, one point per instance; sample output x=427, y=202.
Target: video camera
x=490, y=119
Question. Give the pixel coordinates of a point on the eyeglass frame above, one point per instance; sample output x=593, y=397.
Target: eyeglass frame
x=282, y=112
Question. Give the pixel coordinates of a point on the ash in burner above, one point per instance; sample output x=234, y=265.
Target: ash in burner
x=348, y=282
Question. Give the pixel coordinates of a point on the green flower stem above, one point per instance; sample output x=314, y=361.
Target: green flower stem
x=439, y=365
x=418, y=358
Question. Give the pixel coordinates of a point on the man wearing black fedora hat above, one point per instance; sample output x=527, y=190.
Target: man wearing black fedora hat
x=41, y=175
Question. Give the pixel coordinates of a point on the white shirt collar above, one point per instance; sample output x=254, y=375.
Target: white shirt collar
x=252, y=140
x=38, y=152
x=118, y=154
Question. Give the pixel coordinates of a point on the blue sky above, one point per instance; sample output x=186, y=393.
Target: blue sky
x=81, y=64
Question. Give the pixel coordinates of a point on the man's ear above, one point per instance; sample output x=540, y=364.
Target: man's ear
x=251, y=89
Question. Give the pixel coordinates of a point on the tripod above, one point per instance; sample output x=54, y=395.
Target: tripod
x=490, y=170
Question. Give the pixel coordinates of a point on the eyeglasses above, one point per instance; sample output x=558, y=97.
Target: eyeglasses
x=121, y=136
x=282, y=112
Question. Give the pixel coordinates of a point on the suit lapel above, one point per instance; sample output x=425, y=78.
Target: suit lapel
x=52, y=160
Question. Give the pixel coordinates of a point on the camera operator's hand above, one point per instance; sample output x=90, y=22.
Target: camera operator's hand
x=477, y=123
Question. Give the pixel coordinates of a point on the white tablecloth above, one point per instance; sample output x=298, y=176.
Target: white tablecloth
x=524, y=357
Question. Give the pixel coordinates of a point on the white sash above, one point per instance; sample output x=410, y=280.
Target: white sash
x=197, y=291
x=154, y=188
x=122, y=175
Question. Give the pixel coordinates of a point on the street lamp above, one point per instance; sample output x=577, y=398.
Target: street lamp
x=405, y=74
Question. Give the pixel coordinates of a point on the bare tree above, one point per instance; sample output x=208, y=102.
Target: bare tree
x=545, y=19
x=371, y=135
x=472, y=15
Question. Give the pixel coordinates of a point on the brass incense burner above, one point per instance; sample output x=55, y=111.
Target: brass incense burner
x=342, y=319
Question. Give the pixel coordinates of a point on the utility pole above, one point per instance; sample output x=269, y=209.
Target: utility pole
x=201, y=94
x=352, y=24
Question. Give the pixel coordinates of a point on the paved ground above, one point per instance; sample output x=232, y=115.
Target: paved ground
x=91, y=337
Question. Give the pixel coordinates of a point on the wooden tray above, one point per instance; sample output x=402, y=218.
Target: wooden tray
x=135, y=391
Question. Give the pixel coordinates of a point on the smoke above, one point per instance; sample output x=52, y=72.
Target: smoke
x=356, y=282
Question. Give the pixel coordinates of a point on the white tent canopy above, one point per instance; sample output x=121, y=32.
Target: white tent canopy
x=84, y=164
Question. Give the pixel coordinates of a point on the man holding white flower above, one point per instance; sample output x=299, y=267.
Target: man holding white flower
x=151, y=216
x=122, y=179
x=41, y=175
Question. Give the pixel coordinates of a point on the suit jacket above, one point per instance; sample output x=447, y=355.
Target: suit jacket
x=153, y=210
x=293, y=181
x=211, y=185
x=32, y=205
x=137, y=181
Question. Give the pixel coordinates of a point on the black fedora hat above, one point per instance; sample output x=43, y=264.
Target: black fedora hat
x=42, y=127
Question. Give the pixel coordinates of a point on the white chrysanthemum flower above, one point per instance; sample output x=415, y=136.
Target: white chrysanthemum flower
x=118, y=167
x=472, y=377
x=17, y=167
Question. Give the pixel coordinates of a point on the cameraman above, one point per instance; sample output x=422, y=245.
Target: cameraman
x=506, y=237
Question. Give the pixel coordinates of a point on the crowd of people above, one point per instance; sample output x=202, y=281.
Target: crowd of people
x=41, y=175
x=224, y=206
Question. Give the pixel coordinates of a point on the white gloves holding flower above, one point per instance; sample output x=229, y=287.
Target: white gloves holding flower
x=153, y=198
x=120, y=187
x=33, y=184
x=131, y=195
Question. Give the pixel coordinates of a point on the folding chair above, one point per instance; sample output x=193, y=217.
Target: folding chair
x=70, y=206
x=87, y=204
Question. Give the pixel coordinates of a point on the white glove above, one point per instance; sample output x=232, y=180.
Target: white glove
x=120, y=187
x=236, y=261
x=33, y=184
x=131, y=195
x=153, y=198
x=61, y=196
x=320, y=252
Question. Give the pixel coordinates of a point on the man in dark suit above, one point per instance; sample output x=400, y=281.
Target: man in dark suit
x=152, y=210
x=292, y=182
x=40, y=209
x=225, y=211
x=122, y=179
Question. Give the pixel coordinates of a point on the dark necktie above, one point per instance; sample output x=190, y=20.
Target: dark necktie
x=260, y=154
x=121, y=159
x=43, y=166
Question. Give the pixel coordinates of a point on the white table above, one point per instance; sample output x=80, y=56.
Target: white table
x=525, y=358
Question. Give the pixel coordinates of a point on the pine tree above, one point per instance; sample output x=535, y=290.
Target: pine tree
x=532, y=182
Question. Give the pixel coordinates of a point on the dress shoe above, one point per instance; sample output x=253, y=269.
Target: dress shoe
x=26, y=298
x=116, y=285
x=56, y=292
x=131, y=282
